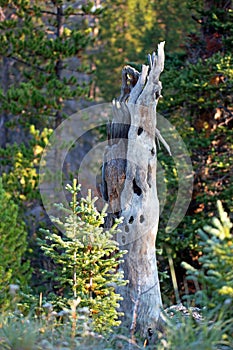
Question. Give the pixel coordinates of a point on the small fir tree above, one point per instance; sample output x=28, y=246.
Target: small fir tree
x=210, y=327
x=216, y=274
x=14, y=269
x=86, y=259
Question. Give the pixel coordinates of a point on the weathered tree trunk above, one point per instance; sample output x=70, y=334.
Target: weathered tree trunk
x=129, y=187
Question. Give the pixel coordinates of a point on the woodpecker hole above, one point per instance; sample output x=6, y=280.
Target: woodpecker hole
x=141, y=219
x=140, y=130
x=136, y=188
x=131, y=219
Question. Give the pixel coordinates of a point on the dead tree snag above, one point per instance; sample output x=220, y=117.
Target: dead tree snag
x=129, y=187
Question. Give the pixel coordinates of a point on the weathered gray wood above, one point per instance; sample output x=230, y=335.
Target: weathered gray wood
x=129, y=186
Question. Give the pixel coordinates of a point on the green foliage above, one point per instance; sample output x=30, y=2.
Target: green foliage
x=185, y=333
x=203, y=85
x=39, y=38
x=214, y=329
x=18, y=333
x=36, y=45
x=37, y=41
x=196, y=108
x=48, y=331
x=216, y=275
x=14, y=270
x=214, y=17
x=86, y=258
x=41, y=60
x=197, y=99
x=132, y=29
x=19, y=165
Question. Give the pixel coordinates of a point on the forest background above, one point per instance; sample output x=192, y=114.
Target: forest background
x=58, y=57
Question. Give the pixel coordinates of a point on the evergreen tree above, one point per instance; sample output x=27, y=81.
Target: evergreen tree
x=86, y=259
x=215, y=28
x=14, y=269
x=130, y=30
x=37, y=40
x=216, y=275
x=41, y=58
x=23, y=161
x=43, y=73
x=198, y=102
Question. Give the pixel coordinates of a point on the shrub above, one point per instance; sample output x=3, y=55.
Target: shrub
x=216, y=274
x=86, y=258
x=14, y=269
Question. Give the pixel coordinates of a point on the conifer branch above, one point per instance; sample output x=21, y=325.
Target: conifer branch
x=63, y=15
x=28, y=64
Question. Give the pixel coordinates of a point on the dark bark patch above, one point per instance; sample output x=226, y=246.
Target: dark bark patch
x=116, y=132
x=141, y=219
x=149, y=175
x=140, y=130
x=131, y=219
x=136, y=188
